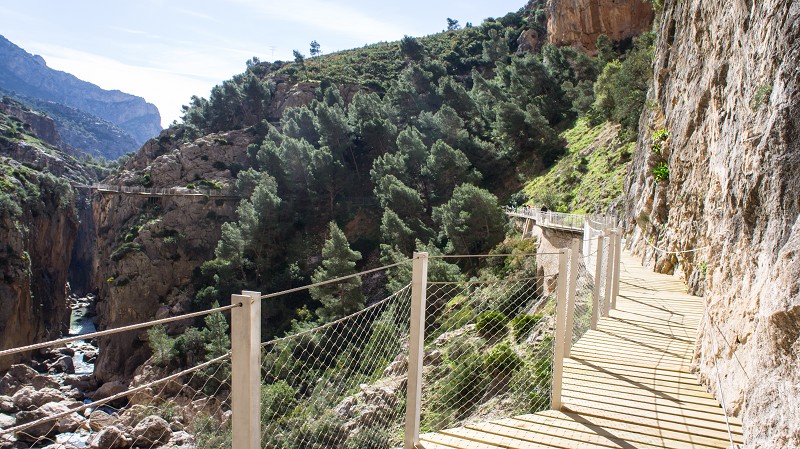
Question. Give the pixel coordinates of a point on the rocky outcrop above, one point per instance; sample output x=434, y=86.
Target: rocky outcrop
x=42, y=125
x=578, y=23
x=148, y=249
x=29, y=76
x=727, y=90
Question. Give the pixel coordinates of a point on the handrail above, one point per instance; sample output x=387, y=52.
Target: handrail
x=115, y=330
x=707, y=320
x=159, y=191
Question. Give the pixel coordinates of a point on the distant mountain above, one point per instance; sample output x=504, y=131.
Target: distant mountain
x=91, y=119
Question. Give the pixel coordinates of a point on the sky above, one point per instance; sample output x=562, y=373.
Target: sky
x=168, y=50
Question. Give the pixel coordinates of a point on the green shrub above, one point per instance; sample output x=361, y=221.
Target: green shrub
x=209, y=184
x=209, y=433
x=491, y=325
x=124, y=249
x=761, y=97
x=523, y=325
x=661, y=172
x=276, y=401
x=162, y=346
x=657, y=140
x=502, y=361
x=8, y=205
x=465, y=381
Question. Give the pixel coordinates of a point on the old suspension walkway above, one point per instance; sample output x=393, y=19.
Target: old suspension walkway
x=627, y=384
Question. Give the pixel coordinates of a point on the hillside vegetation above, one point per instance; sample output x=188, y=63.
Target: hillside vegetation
x=404, y=146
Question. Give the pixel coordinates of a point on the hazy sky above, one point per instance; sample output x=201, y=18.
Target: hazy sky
x=168, y=50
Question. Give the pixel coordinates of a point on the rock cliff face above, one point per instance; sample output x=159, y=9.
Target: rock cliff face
x=579, y=22
x=29, y=76
x=42, y=125
x=727, y=89
x=149, y=248
x=37, y=238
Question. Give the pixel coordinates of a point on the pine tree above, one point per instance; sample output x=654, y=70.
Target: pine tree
x=341, y=298
x=472, y=221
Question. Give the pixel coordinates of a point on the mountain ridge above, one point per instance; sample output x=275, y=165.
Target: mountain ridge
x=27, y=76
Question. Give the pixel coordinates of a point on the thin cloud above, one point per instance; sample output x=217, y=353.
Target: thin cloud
x=332, y=17
x=168, y=90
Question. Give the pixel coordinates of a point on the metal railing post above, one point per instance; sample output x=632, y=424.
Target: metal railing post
x=598, y=272
x=607, y=306
x=617, y=266
x=572, y=290
x=416, y=340
x=561, y=331
x=246, y=370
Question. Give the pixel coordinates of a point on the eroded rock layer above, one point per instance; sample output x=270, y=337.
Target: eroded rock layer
x=580, y=22
x=727, y=90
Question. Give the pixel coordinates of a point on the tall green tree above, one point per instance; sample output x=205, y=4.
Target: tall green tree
x=472, y=221
x=341, y=298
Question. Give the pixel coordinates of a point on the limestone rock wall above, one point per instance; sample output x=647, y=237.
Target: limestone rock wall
x=727, y=89
x=149, y=248
x=579, y=22
x=34, y=261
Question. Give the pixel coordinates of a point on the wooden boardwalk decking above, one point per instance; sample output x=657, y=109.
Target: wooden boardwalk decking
x=627, y=384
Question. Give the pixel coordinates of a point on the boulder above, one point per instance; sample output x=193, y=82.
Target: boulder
x=15, y=378
x=68, y=423
x=109, y=389
x=40, y=381
x=90, y=356
x=7, y=405
x=29, y=398
x=434, y=358
x=151, y=432
x=6, y=421
x=110, y=438
x=99, y=420
x=66, y=351
x=63, y=365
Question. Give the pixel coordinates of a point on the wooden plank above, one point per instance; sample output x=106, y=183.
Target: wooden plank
x=659, y=405
x=662, y=414
x=609, y=364
x=453, y=441
x=546, y=441
x=640, y=435
x=632, y=390
x=644, y=395
x=632, y=372
x=686, y=426
x=607, y=381
x=698, y=435
x=553, y=436
x=617, y=360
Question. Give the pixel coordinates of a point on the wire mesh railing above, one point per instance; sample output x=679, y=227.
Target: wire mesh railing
x=489, y=351
x=430, y=356
x=339, y=385
x=163, y=404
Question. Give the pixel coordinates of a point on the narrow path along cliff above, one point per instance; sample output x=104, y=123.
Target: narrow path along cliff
x=628, y=384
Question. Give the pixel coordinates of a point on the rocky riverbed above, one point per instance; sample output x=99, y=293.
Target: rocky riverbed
x=59, y=379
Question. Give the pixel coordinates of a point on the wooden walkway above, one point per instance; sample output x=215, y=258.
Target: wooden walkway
x=627, y=384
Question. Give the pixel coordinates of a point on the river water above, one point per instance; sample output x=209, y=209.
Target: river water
x=82, y=323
